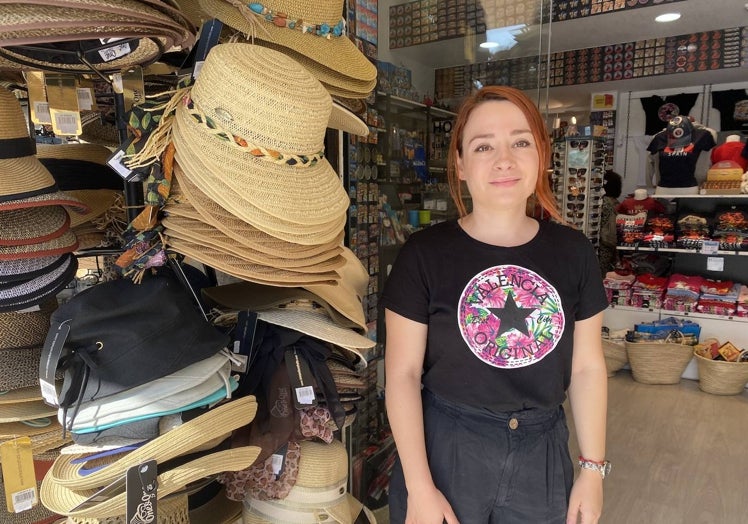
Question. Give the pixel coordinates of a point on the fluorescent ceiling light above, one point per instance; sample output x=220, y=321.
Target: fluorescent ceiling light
x=502, y=38
x=667, y=17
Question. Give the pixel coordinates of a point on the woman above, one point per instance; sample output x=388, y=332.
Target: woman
x=497, y=315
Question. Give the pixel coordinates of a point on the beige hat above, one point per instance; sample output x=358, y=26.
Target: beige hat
x=32, y=225
x=305, y=245
x=24, y=181
x=172, y=510
x=262, y=133
x=62, y=499
x=216, y=423
x=315, y=28
x=319, y=495
x=25, y=411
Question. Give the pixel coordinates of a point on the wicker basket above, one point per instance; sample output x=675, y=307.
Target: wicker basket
x=658, y=363
x=721, y=378
x=615, y=356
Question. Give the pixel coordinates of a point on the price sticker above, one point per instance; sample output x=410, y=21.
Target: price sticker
x=715, y=264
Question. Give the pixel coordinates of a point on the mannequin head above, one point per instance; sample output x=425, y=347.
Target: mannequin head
x=732, y=138
x=640, y=194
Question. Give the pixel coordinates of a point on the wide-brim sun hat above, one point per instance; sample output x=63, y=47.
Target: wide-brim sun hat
x=28, y=329
x=25, y=269
x=25, y=411
x=29, y=428
x=32, y=225
x=262, y=131
x=236, y=204
x=192, y=434
x=33, y=292
x=319, y=494
x=62, y=499
x=95, y=153
x=283, y=23
x=19, y=368
x=242, y=269
x=202, y=233
x=171, y=510
x=294, y=244
x=65, y=243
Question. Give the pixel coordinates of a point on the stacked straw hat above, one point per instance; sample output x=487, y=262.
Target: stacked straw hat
x=81, y=171
x=319, y=494
x=36, y=241
x=80, y=35
x=255, y=197
x=311, y=32
x=69, y=482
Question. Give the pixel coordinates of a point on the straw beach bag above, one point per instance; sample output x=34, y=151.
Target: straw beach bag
x=658, y=362
x=615, y=356
x=719, y=377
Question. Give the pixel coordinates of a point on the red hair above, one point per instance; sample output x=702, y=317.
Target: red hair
x=543, y=192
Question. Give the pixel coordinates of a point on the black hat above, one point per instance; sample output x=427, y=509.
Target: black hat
x=118, y=335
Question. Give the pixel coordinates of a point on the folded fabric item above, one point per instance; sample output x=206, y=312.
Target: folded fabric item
x=684, y=286
x=716, y=307
x=178, y=389
x=223, y=392
x=615, y=280
x=679, y=303
x=649, y=282
x=123, y=434
x=743, y=294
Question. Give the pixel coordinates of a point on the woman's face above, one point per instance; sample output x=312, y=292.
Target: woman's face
x=499, y=160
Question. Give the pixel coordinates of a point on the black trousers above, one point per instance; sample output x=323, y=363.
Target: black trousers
x=494, y=468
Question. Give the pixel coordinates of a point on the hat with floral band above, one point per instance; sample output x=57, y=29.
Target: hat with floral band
x=262, y=133
x=24, y=181
x=316, y=29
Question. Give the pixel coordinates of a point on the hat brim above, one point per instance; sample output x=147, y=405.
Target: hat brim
x=53, y=197
x=197, y=205
x=32, y=225
x=25, y=411
x=343, y=119
x=40, y=288
x=24, y=177
x=65, y=243
x=337, y=53
x=215, y=423
x=99, y=201
x=318, y=325
x=25, y=269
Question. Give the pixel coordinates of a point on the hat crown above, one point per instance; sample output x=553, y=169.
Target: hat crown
x=322, y=465
x=263, y=97
x=11, y=115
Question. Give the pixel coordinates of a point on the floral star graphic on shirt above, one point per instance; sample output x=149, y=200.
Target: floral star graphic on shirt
x=511, y=316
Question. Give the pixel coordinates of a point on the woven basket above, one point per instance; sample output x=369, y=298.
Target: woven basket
x=658, y=363
x=615, y=356
x=721, y=378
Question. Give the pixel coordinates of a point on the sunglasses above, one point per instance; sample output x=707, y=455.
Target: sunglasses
x=577, y=171
x=581, y=144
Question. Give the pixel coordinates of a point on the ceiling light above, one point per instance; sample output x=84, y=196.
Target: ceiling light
x=489, y=45
x=667, y=17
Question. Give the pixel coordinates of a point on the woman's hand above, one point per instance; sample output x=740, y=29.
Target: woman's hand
x=429, y=506
x=586, y=501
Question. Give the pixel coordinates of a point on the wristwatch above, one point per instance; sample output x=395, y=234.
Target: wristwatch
x=602, y=467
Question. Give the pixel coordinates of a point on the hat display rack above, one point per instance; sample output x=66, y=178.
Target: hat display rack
x=272, y=221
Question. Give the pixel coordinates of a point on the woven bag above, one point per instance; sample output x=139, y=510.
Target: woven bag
x=658, y=362
x=719, y=377
x=615, y=356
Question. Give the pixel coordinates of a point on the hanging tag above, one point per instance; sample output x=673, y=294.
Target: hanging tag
x=115, y=51
x=246, y=327
x=37, y=98
x=142, y=487
x=301, y=379
x=51, y=353
x=18, y=474
x=115, y=161
x=278, y=461
x=209, y=34
x=133, y=87
x=66, y=122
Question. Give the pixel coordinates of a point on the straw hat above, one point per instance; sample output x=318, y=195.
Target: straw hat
x=215, y=423
x=173, y=510
x=202, y=233
x=218, y=510
x=25, y=269
x=285, y=23
x=62, y=499
x=27, y=394
x=65, y=243
x=245, y=270
x=29, y=329
x=192, y=10
x=29, y=293
x=95, y=153
x=25, y=182
x=319, y=494
x=29, y=428
x=295, y=244
x=279, y=116
x=25, y=411
x=19, y=368
x=32, y=225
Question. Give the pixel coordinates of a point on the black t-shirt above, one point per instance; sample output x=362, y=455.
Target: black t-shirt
x=659, y=110
x=678, y=167
x=732, y=105
x=500, y=320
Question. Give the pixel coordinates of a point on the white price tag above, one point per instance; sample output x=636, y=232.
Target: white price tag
x=66, y=122
x=276, y=462
x=115, y=162
x=709, y=247
x=49, y=392
x=112, y=53
x=41, y=111
x=305, y=395
x=715, y=264
x=85, y=98
x=24, y=500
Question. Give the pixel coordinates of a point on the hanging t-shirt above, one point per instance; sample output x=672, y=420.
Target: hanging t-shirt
x=659, y=110
x=677, y=166
x=732, y=105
